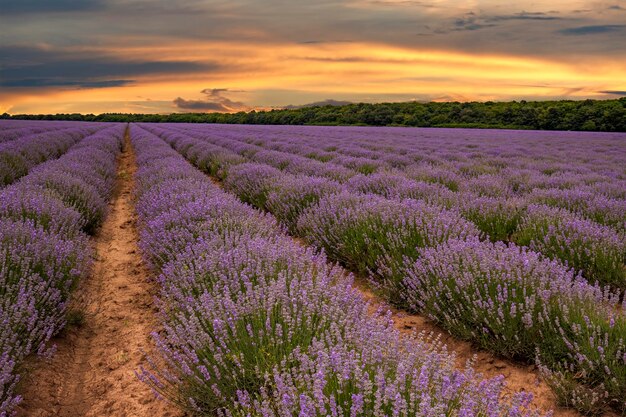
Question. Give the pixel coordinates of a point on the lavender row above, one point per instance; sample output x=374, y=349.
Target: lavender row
x=19, y=156
x=506, y=311
x=257, y=325
x=519, y=304
x=44, y=250
x=598, y=251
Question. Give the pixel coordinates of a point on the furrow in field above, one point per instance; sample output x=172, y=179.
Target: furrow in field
x=93, y=371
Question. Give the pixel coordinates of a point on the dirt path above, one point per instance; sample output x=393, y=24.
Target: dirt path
x=92, y=373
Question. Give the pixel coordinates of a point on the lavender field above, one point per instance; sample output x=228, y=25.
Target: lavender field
x=253, y=236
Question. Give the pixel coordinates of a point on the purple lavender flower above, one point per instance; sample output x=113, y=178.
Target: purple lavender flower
x=597, y=250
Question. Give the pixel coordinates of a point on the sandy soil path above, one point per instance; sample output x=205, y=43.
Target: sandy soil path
x=92, y=373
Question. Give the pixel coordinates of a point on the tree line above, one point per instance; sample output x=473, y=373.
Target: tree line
x=587, y=115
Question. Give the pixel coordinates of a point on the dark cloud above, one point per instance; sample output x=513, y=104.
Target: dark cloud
x=49, y=6
x=199, y=105
x=592, y=30
x=214, y=101
x=616, y=7
x=472, y=21
x=37, y=67
x=524, y=16
x=497, y=28
x=615, y=92
x=42, y=82
x=314, y=42
x=327, y=102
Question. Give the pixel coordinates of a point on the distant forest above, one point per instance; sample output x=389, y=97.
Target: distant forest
x=589, y=115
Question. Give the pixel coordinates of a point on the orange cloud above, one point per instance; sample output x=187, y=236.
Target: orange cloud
x=277, y=74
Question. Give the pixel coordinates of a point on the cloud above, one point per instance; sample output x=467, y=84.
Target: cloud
x=615, y=92
x=42, y=82
x=327, y=102
x=154, y=47
x=525, y=28
x=472, y=21
x=592, y=30
x=213, y=102
x=616, y=7
x=42, y=67
x=524, y=16
x=199, y=105
x=49, y=6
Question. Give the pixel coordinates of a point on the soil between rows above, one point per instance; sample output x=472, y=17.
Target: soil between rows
x=92, y=373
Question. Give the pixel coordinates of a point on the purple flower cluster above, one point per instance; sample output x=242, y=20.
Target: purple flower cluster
x=295, y=194
x=18, y=156
x=44, y=251
x=371, y=234
x=496, y=218
x=252, y=182
x=597, y=250
x=254, y=324
x=366, y=232
x=212, y=159
x=397, y=186
x=511, y=168
x=518, y=303
x=597, y=207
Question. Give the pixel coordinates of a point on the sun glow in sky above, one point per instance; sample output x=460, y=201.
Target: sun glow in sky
x=95, y=56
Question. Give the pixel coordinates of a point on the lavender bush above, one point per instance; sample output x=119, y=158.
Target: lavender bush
x=497, y=218
x=27, y=128
x=42, y=208
x=170, y=232
x=597, y=207
x=599, y=251
x=252, y=182
x=371, y=234
x=515, y=302
x=395, y=186
x=292, y=195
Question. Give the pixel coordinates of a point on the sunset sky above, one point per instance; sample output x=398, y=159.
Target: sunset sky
x=159, y=56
